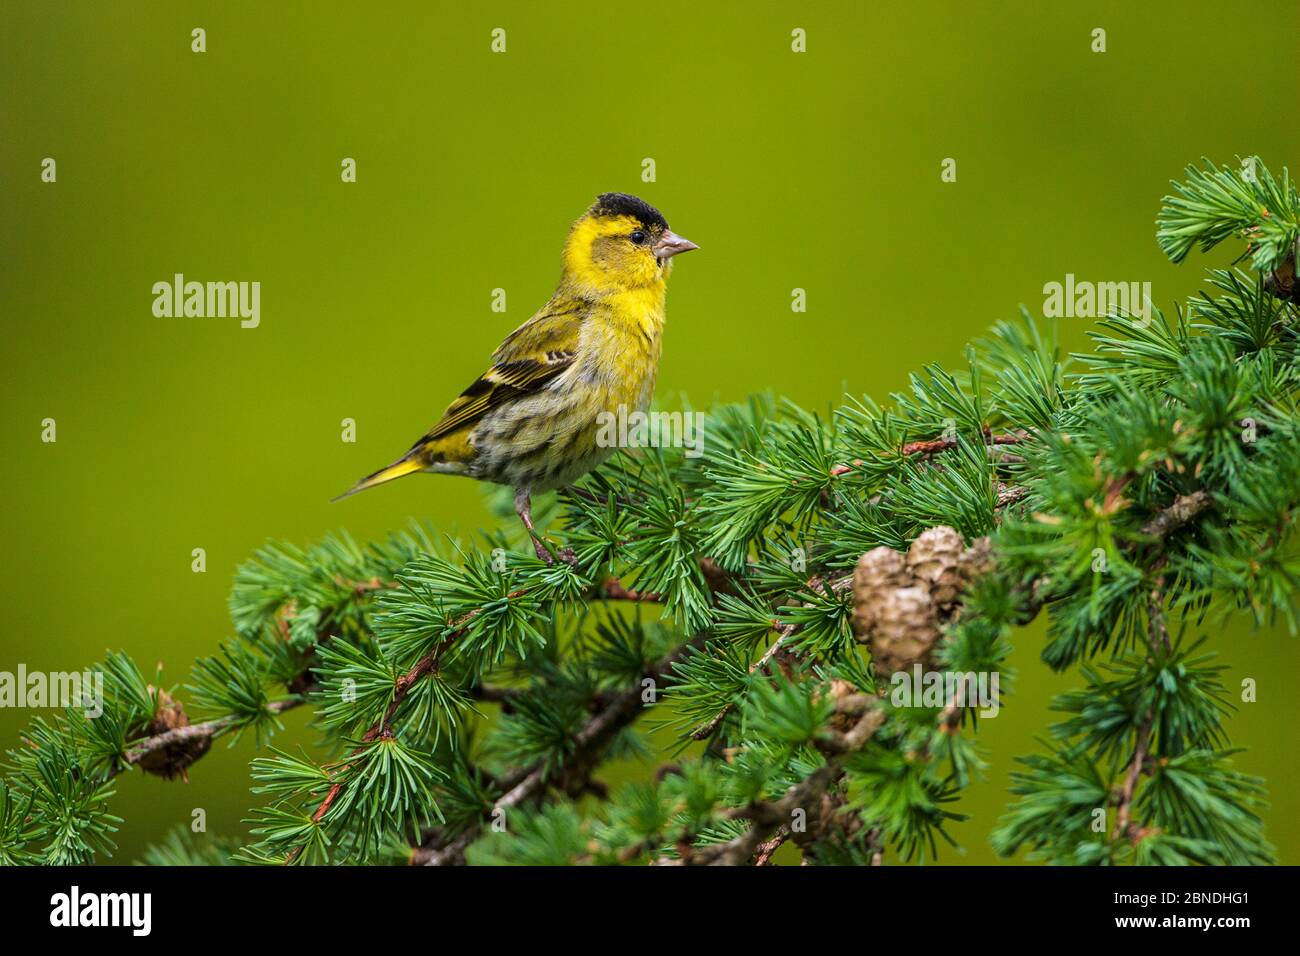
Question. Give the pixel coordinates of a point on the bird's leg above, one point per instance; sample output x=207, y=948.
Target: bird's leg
x=524, y=508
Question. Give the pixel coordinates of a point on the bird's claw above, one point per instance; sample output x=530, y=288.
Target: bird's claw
x=545, y=554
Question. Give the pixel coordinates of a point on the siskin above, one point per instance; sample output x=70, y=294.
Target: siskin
x=531, y=420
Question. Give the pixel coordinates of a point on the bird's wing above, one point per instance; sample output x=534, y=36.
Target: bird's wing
x=554, y=329
x=530, y=357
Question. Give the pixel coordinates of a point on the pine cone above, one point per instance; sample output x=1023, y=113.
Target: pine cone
x=934, y=559
x=900, y=603
x=878, y=571
x=906, y=628
x=171, y=761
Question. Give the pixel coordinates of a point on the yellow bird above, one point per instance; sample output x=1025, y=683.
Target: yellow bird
x=531, y=421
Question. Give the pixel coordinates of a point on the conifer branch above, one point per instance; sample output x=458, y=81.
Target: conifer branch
x=706, y=729
x=768, y=848
x=784, y=633
x=613, y=716
x=1124, y=806
x=935, y=445
x=401, y=688
x=208, y=731
x=1183, y=509
x=766, y=818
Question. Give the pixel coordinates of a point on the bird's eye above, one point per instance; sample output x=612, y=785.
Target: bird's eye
x=638, y=237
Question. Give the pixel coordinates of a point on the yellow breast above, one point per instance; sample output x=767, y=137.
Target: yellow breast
x=623, y=347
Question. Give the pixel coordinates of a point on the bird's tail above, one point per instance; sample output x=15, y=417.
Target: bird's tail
x=405, y=465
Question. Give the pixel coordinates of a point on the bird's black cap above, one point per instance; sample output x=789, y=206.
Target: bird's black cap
x=621, y=204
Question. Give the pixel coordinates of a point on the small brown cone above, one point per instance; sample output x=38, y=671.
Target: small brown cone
x=171, y=761
x=878, y=571
x=900, y=604
x=935, y=559
x=906, y=628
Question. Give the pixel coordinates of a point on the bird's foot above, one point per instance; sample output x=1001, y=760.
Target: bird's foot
x=543, y=552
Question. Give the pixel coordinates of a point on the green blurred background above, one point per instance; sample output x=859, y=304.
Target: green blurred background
x=818, y=170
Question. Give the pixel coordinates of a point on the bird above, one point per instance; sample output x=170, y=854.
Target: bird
x=532, y=420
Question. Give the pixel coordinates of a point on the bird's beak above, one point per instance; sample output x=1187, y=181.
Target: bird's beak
x=670, y=244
